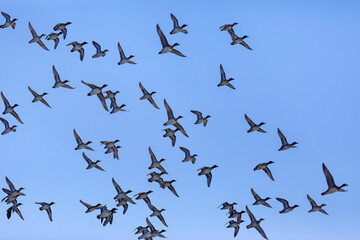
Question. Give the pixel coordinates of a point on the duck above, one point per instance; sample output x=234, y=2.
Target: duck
x=207, y=172
x=122, y=202
x=148, y=96
x=38, y=97
x=13, y=193
x=47, y=207
x=78, y=47
x=155, y=163
x=92, y=164
x=110, y=218
x=9, y=108
x=287, y=208
x=157, y=213
x=62, y=28
x=89, y=207
x=315, y=207
x=332, y=187
x=259, y=200
x=226, y=206
x=37, y=38
x=284, y=144
x=116, y=108
x=140, y=229
x=227, y=27
x=121, y=194
x=95, y=90
x=111, y=95
x=171, y=134
x=153, y=231
x=80, y=143
x=58, y=82
x=235, y=214
x=14, y=208
x=155, y=177
x=172, y=120
x=8, y=129
x=55, y=37
x=255, y=223
x=109, y=144
x=235, y=225
x=123, y=58
x=177, y=28
x=200, y=119
x=169, y=185
x=265, y=168
x=106, y=214
x=254, y=127
x=114, y=150
x=144, y=196
x=166, y=47
x=224, y=81
x=99, y=52
x=8, y=21
x=145, y=234
x=188, y=157
x=238, y=40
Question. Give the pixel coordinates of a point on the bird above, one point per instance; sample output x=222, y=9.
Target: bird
x=265, y=168
x=38, y=97
x=113, y=150
x=253, y=126
x=171, y=134
x=78, y=47
x=8, y=129
x=47, y=207
x=200, y=118
x=55, y=37
x=110, y=95
x=235, y=214
x=58, y=82
x=153, y=231
x=144, y=196
x=235, y=225
x=37, y=38
x=172, y=120
x=168, y=184
x=123, y=202
x=14, y=208
x=155, y=177
x=188, y=157
x=13, y=193
x=207, y=172
x=332, y=187
x=259, y=200
x=284, y=144
x=227, y=27
x=92, y=164
x=147, y=95
x=155, y=163
x=106, y=214
x=8, y=21
x=95, y=90
x=121, y=194
x=224, y=81
x=158, y=214
x=238, y=40
x=315, y=207
x=10, y=109
x=166, y=47
x=141, y=229
x=81, y=144
x=109, y=144
x=226, y=206
x=89, y=207
x=123, y=58
x=98, y=53
x=287, y=208
x=177, y=28
x=62, y=28
x=116, y=108
x=255, y=223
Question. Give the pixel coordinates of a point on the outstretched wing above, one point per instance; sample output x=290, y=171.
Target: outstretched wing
x=168, y=110
x=163, y=39
x=328, y=176
x=174, y=19
x=6, y=102
x=6, y=16
x=282, y=137
x=122, y=54
x=251, y=123
x=117, y=187
x=77, y=137
x=143, y=89
x=97, y=46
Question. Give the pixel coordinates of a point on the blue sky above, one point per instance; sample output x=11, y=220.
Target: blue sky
x=303, y=77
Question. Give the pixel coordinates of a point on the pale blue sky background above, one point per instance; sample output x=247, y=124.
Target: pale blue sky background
x=303, y=76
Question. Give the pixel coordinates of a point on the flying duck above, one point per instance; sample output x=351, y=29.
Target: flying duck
x=235, y=225
x=89, y=207
x=155, y=163
x=14, y=208
x=158, y=214
x=114, y=150
x=238, y=40
x=169, y=185
x=99, y=52
x=115, y=107
x=165, y=45
x=111, y=95
x=200, y=118
x=235, y=214
x=62, y=28
x=259, y=200
x=255, y=223
x=92, y=164
x=332, y=187
x=226, y=206
x=227, y=27
x=153, y=231
x=106, y=214
x=207, y=172
x=172, y=120
x=122, y=202
x=141, y=229
x=177, y=28
x=315, y=207
x=55, y=37
x=95, y=90
x=265, y=168
x=188, y=157
x=13, y=193
x=123, y=58
x=58, y=82
x=286, y=205
x=109, y=144
x=81, y=144
x=121, y=194
x=38, y=97
x=224, y=81
x=147, y=95
x=171, y=134
x=47, y=207
x=155, y=177
x=9, y=108
x=37, y=38
x=8, y=21
x=284, y=144
x=144, y=196
x=253, y=126
x=7, y=127
x=78, y=47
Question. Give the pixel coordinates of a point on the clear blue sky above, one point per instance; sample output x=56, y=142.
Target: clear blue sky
x=303, y=77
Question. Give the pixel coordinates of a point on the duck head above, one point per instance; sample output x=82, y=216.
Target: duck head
x=16, y=105
x=245, y=36
x=84, y=43
x=175, y=44
x=161, y=160
x=267, y=199
x=230, y=79
x=131, y=56
x=270, y=162
x=103, y=86
x=184, y=26
x=215, y=166
x=152, y=93
x=262, y=123
x=295, y=206
x=88, y=142
x=208, y=116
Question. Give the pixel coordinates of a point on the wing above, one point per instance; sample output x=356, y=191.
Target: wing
x=125, y=207
x=10, y=184
x=64, y=32
x=82, y=52
x=102, y=100
x=230, y=85
x=56, y=40
x=312, y=202
x=122, y=54
x=6, y=123
x=33, y=33
x=85, y=204
x=251, y=123
x=245, y=45
x=176, y=52
x=186, y=151
x=268, y=172
x=67, y=86
x=33, y=92
x=150, y=225
x=16, y=116
x=6, y=102
x=42, y=45
x=173, y=140
x=178, y=126
x=8, y=212
x=143, y=89
x=328, y=176
x=100, y=168
x=251, y=216
x=283, y=201
x=6, y=16
x=90, y=85
x=222, y=73
x=78, y=139
x=172, y=189
x=232, y=34
x=161, y=218
x=163, y=39
x=117, y=187
x=56, y=75
x=282, y=137
x=147, y=201
x=255, y=195
x=97, y=46
x=115, y=153
x=151, y=100
x=49, y=212
x=162, y=169
x=261, y=130
x=86, y=158
x=236, y=230
x=197, y=113
x=175, y=21
x=72, y=43
x=168, y=110
x=323, y=211
x=44, y=102
x=152, y=155
x=261, y=231
x=208, y=177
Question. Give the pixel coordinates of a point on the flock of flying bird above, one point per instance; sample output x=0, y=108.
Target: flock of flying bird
x=122, y=199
